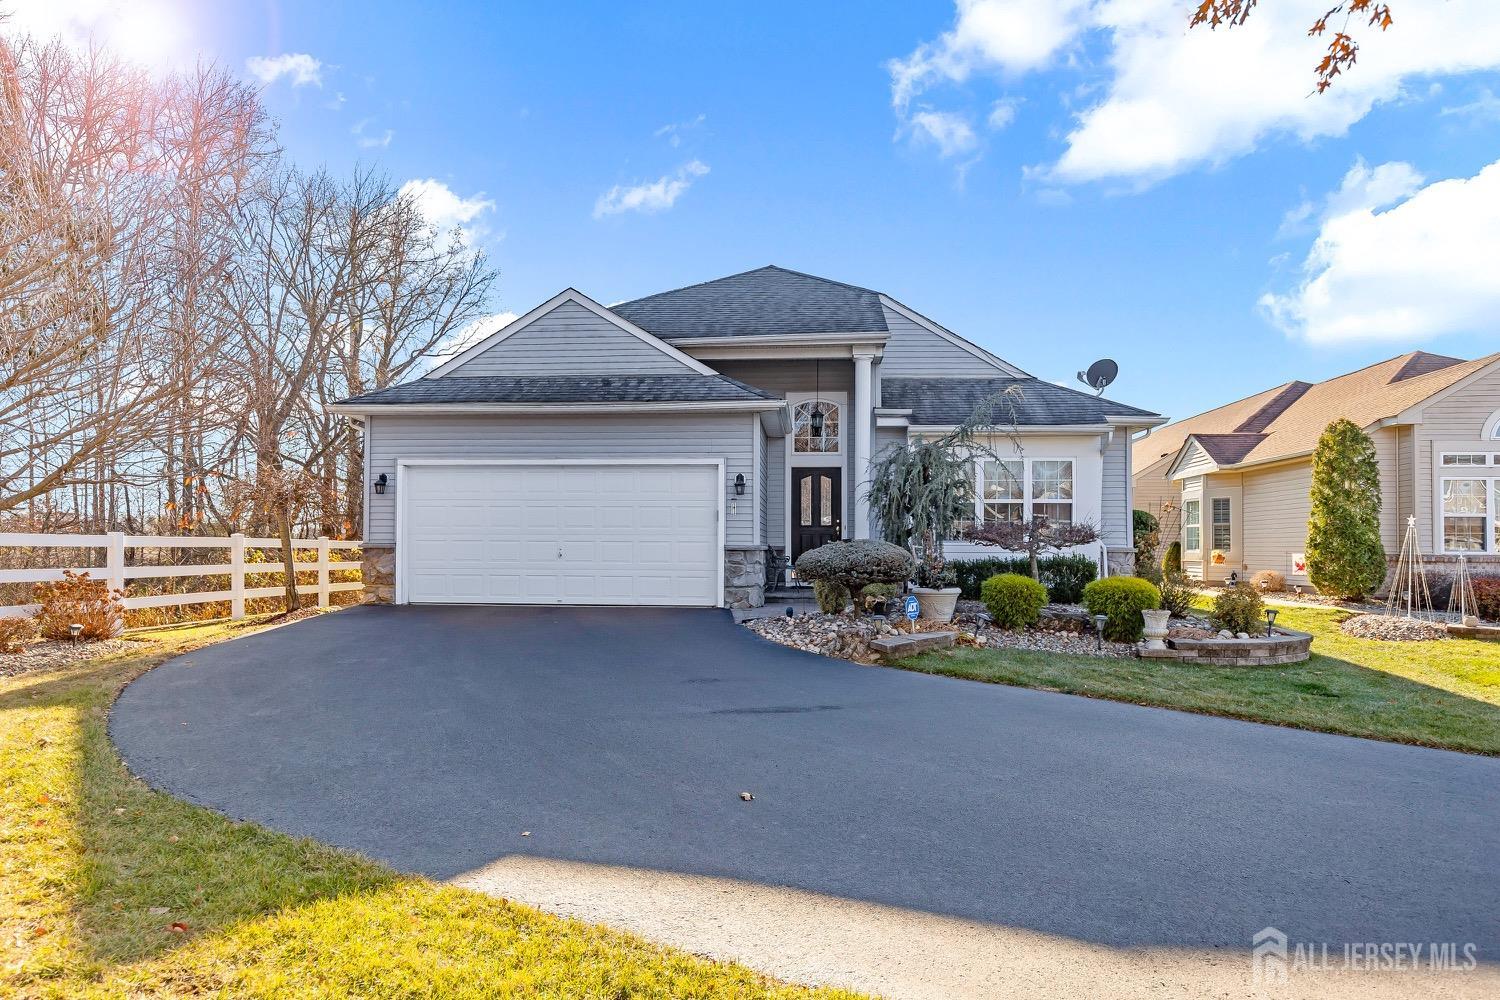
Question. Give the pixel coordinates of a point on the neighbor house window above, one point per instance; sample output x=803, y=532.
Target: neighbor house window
x=804, y=439
x=1017, y=489
x=1469, y=501
x=1466, y=513
x=1192, y=525
x=1223, y=536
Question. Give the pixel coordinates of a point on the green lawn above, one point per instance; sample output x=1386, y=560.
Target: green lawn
x=1441, y=694
x=89, y=856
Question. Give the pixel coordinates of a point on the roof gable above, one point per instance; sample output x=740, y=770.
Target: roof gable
x=767, y=301
x=570, y=334
x=1288, y=419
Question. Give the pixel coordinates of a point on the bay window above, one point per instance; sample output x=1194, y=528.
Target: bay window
x=1192, y=526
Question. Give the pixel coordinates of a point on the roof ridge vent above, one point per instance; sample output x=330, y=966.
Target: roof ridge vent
x=1264, y=417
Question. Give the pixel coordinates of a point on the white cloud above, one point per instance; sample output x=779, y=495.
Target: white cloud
x=468, y=337
x=1002, y=113
x=949, y=132
x=656, y=196
x=1361, y=188
x=370, y=140
x=447, y=211
x=1421, y=268
x=1015, y=36
x=298, y=67
x=1485, y=107
x=1173, y=99
x=673, y=131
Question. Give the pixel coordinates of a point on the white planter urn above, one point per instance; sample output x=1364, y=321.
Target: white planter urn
x=1156, y=628
x=937, y=605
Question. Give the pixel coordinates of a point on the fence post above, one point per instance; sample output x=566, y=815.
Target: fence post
x=237, y=575
x=322, y=571
x=115, y=560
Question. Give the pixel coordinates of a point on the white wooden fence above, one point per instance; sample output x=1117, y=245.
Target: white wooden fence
x=117, y=573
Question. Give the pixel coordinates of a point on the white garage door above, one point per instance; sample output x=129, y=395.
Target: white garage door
x=561, y=534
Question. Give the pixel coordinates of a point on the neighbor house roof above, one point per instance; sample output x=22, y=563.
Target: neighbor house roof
x=563, y=389
x=764, y=302
x=1286, y=421
x=946, y=402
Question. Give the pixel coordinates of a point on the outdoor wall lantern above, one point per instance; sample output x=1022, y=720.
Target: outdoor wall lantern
x=739, y=484
x=1270, y=620
x=1099, y=621
x=380, y=482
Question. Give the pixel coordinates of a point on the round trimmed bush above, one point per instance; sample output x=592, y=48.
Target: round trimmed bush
x=1122, y=599
x=1014, y=601
x=857, y=564
x=1269, y=581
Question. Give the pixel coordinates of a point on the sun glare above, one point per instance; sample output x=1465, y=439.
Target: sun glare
x=154, y=33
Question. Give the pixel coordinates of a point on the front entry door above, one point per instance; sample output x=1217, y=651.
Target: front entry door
x=817, y=508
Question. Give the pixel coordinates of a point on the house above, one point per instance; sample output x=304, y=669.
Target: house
x=1236, y=479
x=657, y=451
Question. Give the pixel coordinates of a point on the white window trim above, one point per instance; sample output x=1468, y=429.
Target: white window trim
x=1026, y=501
x=1214, y=525
x=1489, y=474
x=837, y=400
x=1185, y=525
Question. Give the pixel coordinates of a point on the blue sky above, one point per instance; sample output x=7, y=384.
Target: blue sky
x=1057, y=180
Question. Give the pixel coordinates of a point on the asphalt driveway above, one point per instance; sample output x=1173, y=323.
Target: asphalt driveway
x=431, y=738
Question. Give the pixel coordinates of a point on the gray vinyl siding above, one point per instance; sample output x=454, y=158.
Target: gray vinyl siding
x=571, y=340
x=1447, y=424
x=1114, y=492
x=762, y=486
x=546, y=436
x=777, y=501
x=913, y=350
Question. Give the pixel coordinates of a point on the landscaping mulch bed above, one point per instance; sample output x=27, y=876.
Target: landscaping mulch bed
x=848, y=636
x=1391, y=628
x=50, y=654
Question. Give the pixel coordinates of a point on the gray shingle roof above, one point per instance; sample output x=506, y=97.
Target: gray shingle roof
x=949, y=401
x=565, y=389
x=767, y=301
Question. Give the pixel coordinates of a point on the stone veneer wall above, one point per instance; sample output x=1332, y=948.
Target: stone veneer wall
x=377, y=568
x=1286, y=646
x=745, y=576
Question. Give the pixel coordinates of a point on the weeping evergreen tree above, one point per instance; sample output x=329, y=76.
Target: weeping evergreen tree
x=923, y=491
x=1345, y=557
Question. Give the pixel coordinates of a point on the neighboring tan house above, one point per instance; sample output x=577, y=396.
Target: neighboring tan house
x=1236, y=480
x=658, y=451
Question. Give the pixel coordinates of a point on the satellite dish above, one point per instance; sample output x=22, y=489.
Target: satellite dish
x=1100, y=374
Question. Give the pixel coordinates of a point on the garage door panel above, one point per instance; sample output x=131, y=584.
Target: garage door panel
x=583, y=534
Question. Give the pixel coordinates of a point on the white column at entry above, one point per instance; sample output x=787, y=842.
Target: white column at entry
x=864, y=417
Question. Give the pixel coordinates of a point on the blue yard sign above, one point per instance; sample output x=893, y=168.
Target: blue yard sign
x=912, y=608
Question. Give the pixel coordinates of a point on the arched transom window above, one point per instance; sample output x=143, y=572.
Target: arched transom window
x=805, y=437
